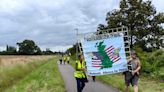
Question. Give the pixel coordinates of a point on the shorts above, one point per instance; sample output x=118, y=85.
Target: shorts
x=131, y=79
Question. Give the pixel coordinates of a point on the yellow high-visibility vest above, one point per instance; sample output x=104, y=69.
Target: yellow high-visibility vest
x=64, y=58
x=68, y=58
x=80, y=74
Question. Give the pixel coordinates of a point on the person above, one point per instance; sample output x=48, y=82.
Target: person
x=60, y=61
x=94, y=78
x=64, y=59
x=132, y=76
x=68, y=58
x=79, y=73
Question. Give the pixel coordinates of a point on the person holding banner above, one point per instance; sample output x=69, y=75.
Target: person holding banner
x=79, y=74
x=132, y=76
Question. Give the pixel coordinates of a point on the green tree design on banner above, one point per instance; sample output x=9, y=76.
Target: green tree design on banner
x=106, y=62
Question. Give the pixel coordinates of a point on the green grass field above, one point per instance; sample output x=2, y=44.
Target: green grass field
x=45, y=78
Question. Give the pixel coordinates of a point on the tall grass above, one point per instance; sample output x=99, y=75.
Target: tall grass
x=11, y=74
x=46, y=78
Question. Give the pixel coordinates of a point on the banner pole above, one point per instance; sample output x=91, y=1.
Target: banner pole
x=76, y=43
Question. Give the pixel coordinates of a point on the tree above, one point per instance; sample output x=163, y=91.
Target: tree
x=10, y=50
x=48, y=52
x=38, y=51
x=73, y=49
x=142, y=20
x=101, y=27
x=28, y=47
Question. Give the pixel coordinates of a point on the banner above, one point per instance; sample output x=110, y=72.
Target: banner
x=104, y=54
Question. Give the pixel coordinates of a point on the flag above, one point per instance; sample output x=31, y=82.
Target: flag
x=113, y=56
x=96, y=63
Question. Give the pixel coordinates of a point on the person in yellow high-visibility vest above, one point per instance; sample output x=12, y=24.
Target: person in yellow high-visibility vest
x=68, y=59
x=64, y=59
x=79, y=74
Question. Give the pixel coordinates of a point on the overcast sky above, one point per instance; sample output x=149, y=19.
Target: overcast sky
x=51, y=23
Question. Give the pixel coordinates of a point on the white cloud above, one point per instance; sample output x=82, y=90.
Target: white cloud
x=2, y=48
x=159, y=5
x=57, y=48
x=51, y=23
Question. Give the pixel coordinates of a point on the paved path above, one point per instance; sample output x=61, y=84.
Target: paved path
x=70, y=82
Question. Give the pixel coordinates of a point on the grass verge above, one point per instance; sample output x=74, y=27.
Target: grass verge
x=115, y=80
x=145, y=84
x=44, y=79
x=12, y=74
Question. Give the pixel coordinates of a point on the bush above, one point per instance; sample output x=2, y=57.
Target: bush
x=156, y=60
x=152, y=63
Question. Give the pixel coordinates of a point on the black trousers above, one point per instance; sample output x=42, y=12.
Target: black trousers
x=80, y=84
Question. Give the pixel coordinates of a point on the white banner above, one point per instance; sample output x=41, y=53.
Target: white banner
x=104, y=54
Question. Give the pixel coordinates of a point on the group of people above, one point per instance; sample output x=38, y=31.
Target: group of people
x=131, y=76
x=65, y=59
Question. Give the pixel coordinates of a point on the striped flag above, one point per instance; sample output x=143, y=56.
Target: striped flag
x=96, y=63
x=110, y=52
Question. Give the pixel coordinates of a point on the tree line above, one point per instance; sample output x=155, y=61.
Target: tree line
x=27, y=47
